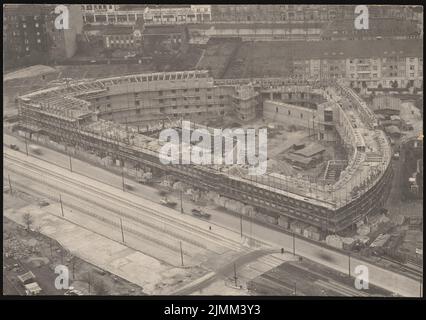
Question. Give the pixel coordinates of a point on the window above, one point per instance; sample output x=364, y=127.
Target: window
x=289, y=112
x=301, y=115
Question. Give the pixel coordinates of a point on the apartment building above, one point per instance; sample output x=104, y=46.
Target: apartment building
x=301, y=13
x=370, y=63
x=98, y=14
x=30, y=36
x=378, y=28
x=177, y=15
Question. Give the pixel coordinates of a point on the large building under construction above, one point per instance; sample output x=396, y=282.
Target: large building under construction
x=114, y=117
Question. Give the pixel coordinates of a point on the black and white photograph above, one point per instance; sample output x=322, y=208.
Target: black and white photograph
x=235, y=150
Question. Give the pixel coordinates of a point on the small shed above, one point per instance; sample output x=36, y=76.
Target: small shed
x=32, y=288
x=26, y=277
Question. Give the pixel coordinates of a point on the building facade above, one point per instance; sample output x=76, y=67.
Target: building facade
x=30, y=36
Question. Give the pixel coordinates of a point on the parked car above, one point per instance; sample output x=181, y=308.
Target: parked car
x=14, y=147
x=43, y=203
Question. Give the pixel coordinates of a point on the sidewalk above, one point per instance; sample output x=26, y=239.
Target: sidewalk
x=105, y=253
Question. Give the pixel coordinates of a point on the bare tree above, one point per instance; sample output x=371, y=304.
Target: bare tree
x=73, y=265
x=28, y=220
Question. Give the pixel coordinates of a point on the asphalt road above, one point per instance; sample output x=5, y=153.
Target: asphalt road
x=341, y=262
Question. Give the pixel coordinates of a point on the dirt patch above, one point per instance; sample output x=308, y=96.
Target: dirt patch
x=28, y=250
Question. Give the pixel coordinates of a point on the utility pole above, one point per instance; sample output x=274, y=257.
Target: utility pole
x=295, y=288
x=26, y=145
x=235, y=273
x=122, y=231
x=70, y=162
x=122, y=178
x=241, y=226
x=349, y=264
x=62, y=208
x=181, y=205
x=294, y=244
x=10, y=184
x=181, y=252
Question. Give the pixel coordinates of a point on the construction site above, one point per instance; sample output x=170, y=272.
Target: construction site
x=118, y=120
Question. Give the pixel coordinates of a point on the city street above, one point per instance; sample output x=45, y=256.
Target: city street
x=391, y=281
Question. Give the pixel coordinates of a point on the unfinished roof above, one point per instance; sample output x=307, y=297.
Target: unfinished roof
x=297, y=158
x=392, y=130
x=310, y=150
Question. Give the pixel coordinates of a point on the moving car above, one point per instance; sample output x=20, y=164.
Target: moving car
x=200, y=214
x=35, y=149
x=43, y=203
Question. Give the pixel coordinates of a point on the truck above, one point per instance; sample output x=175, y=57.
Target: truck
x=128, y=187
x=168, y=203
x=200, y=214
x=35, y=149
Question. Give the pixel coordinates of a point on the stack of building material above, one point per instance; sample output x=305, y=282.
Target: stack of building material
x=334, y=241
x=312, y=233
x=248, y=210
x=380, y=240
x=261, y=216
x=298, y=227
x=107, y=161
x=234, y=205
x=348, y=243
x=362, y=239
x=271, y=219
x=283, y=221
x=363, y=230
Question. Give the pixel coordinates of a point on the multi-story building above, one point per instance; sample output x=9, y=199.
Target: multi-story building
x=153, y=15
x=77, y=114
x=378, y=28
x=301, y=13
x=123, y=36
x=177, y=15
x=30, y=36
x=25, y=38
x=361, y=63
x=64, y=41
x=111, y=14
